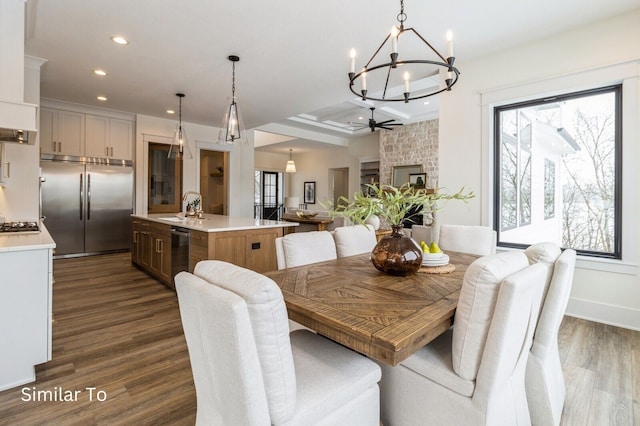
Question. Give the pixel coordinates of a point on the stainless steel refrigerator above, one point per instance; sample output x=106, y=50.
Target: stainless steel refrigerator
x=87, y=204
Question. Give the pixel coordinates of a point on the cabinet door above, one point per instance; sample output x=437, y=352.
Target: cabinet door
x=47, y=131
x=231, y=247
x=96, y=136
x=261, y=250
x=70, y=133
x=120, y=139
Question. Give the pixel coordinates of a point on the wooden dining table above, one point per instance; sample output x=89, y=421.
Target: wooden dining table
x=382, y=316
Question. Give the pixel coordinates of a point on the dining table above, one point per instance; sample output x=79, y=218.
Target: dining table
x=384, y=317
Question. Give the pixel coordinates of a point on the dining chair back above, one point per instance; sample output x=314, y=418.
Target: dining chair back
x=429, y=388
x=248, y=369
x=544, y=377
x=355, y=239
x=480, y=240
x=302, y=248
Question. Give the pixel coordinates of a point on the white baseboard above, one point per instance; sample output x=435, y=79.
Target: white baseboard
x=618, y=316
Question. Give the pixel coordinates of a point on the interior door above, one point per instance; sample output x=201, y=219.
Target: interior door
x=164, y=181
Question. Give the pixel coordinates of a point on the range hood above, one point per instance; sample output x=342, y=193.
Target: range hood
x=17, y=118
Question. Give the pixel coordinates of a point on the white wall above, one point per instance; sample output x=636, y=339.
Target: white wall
x=607, y=291
x=314, y=166
x=200, y=137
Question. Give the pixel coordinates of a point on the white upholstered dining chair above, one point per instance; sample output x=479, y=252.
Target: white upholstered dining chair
x=480, y=240
x=474, y=373
x=544, y=377
x=248, y=369
x=302, y=248
x=355, y=239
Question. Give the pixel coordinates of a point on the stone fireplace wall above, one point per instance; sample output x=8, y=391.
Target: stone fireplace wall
x=407, y=145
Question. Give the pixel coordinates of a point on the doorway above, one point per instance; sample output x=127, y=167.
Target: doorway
x=214, y=172
x=338, y=184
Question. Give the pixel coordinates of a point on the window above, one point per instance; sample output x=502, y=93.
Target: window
x=558, y=172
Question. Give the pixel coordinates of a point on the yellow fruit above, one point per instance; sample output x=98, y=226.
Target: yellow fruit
x=434, y=248
x=424, y=247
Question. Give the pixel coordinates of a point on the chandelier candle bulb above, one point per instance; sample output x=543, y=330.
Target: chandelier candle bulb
x=449, y=44
x=364, y=81
x=406, y=82
x=352, y=55
x=394, y=39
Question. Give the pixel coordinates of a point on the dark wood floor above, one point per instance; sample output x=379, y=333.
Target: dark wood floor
x=118, y=330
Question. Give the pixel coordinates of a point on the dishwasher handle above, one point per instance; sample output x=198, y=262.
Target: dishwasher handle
x=183, y=232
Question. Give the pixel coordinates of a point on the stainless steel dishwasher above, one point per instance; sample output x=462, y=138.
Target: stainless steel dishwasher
x=179, y=251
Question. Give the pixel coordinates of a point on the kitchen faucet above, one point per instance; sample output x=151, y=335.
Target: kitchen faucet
x=197, y=209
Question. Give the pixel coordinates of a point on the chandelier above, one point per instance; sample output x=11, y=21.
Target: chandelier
x=390, y=71
x=232, y=128
x=179, y=148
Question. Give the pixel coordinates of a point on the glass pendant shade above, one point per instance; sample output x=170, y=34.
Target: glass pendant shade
x=291, y=165
x=232, y=129
x=180, y=145
x=179, y=149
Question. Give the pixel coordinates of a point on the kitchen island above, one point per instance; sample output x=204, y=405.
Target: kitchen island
x=25, y=304
x=164, y=244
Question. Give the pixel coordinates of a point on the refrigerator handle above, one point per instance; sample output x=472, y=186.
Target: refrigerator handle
x=88, y=196
x=81, y=200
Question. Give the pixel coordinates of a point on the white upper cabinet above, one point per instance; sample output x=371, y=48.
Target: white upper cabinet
x=61, y=132
x=90, y=135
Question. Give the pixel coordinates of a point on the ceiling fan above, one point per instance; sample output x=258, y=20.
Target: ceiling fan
x=373, y=125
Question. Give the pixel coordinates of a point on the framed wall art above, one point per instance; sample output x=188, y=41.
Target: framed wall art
x=310, y=192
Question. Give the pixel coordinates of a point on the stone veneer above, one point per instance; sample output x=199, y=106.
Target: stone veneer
x=408, y=145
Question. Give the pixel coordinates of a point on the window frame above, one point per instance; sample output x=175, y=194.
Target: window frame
x=617, y=89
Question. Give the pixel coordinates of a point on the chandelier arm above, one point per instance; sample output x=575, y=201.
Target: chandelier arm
x=377, y=51
x=386, y=83
x=427, y=43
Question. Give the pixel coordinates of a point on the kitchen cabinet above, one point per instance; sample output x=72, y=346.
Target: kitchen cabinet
x=107, y=137
x=141, y=245
x=62, y=132
x=25, y=313
x=160, y=259
x=5, y=166
x=252, y=249
x=74, y=133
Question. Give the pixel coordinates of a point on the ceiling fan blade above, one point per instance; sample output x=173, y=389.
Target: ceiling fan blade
x=387, y=121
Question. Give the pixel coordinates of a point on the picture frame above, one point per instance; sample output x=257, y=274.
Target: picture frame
x=310, y=192
x=400, y=175
x=418, y=180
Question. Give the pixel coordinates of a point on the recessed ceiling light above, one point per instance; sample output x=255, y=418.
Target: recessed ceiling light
x=101, y=73
x=170, y=111
x=119, y=40
x=102, y=98
x=360, y=118
x=426, y=102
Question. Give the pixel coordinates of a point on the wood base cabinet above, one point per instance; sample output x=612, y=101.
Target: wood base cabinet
x=253, y=249
x=151, y=249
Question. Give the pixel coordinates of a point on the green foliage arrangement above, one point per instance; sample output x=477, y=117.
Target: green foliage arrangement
x=392, y=204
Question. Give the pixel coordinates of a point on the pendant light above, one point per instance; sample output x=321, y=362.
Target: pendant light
x=232, y=129
x=291, y=165
x=179, y=149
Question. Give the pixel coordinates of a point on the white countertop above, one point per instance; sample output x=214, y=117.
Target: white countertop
x=214, y=222
x=20, y=241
